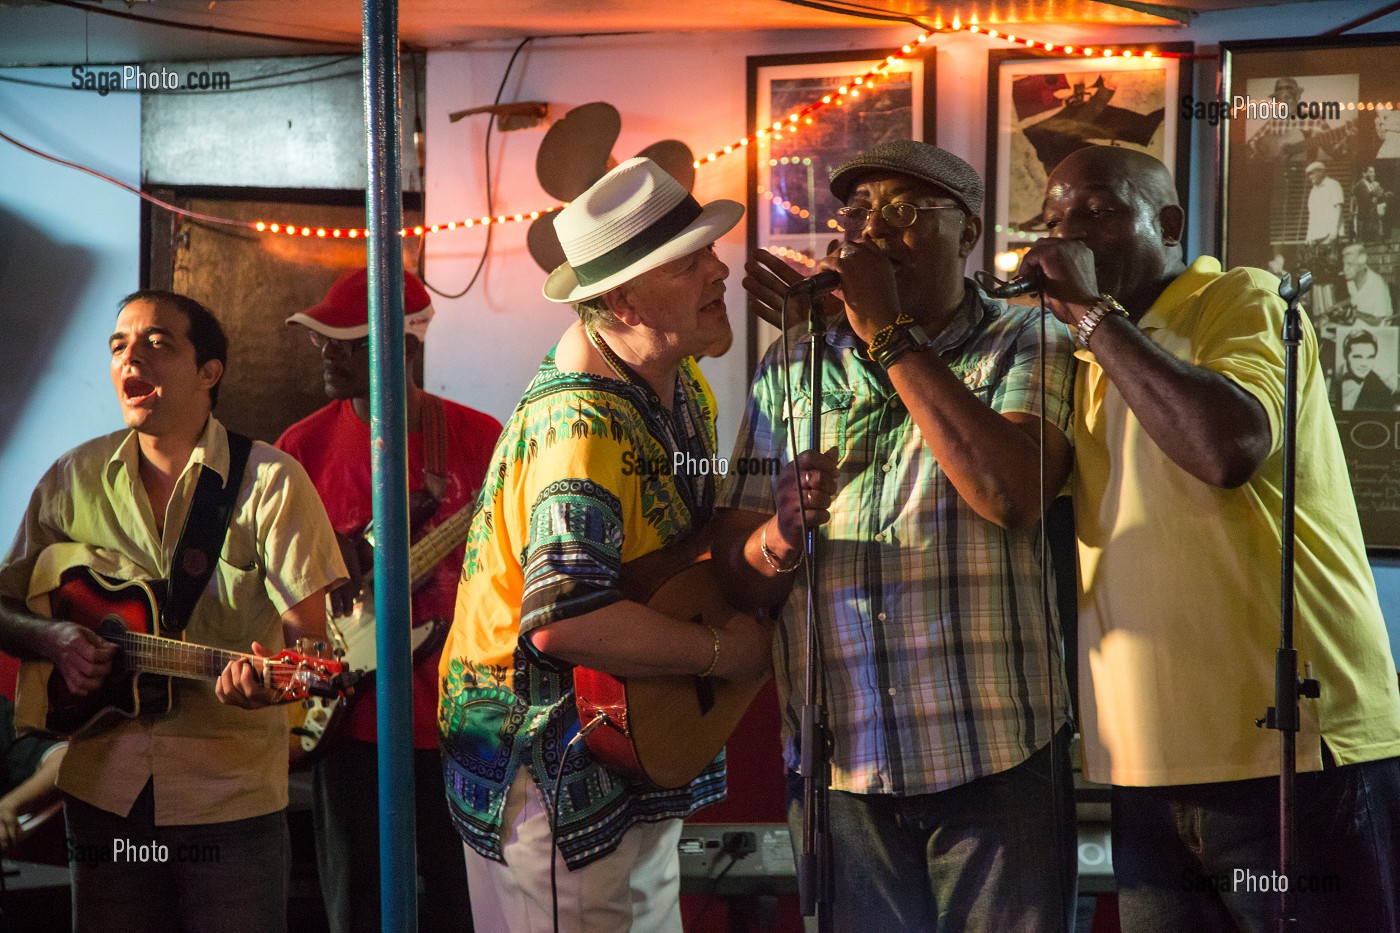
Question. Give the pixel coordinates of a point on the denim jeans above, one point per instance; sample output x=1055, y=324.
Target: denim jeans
x=1204, y=857
x=978, y=857
x=131, y=876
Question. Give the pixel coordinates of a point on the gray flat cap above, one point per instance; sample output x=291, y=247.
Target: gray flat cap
x=938, y=167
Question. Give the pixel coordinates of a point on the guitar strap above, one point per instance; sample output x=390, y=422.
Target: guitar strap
x=434, y=446
x=202, y=538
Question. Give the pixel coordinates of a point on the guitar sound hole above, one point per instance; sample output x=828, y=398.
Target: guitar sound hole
x=113, y=628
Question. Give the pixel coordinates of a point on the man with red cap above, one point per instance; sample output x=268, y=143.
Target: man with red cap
x=449, y=446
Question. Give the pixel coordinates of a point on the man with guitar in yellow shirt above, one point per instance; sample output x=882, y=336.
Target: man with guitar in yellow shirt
x=175, y=813
x=449, y=448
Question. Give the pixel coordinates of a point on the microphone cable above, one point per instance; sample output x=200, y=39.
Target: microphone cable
x=1056, y=805
x=1004, y=290
x=600, y=719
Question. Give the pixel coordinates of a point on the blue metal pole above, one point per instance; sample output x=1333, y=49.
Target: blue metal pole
x=398, y=883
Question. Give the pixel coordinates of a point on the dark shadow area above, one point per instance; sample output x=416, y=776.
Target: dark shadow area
x=41, y=281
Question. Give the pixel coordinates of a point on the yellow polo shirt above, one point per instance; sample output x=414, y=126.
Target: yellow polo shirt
x=209, y=762
x=1179, y=580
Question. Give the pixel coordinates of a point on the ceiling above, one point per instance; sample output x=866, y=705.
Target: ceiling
x=62, y=32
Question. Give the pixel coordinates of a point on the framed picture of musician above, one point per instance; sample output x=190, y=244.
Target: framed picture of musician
x=1310, y=170
x=1043, y=106
x=790, y=209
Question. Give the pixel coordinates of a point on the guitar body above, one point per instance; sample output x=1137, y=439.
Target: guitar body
x=108, y=607
x=355, y=639
x=140, y=683
x=359, y=634
x=317, y=720
x=666, y=730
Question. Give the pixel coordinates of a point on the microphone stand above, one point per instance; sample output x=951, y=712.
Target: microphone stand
x=814, y=866
x=1283, y=715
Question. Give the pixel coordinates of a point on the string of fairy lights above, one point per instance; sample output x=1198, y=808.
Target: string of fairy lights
x=790, y=124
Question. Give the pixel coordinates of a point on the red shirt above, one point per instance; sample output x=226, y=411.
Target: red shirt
x=333, y=445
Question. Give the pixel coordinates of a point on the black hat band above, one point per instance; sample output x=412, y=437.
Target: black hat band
x=647, y=241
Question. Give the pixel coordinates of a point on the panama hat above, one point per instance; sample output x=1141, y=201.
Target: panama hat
x=632, y=220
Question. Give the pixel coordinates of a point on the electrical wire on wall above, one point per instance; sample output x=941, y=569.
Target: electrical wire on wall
x=486, y=159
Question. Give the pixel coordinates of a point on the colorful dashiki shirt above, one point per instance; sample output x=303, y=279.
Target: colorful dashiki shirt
x=582, y=482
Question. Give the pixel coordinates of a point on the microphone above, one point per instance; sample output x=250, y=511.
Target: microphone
x=823, y=281
x=1021, y=285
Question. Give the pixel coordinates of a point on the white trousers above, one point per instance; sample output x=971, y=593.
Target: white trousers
x=634, y=888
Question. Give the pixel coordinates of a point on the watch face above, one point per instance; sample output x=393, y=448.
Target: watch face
x=917, y=334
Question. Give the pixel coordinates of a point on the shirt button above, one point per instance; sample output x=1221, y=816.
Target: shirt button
x=881, y=616
x=894, y=402
x=885, y=468
x=893, y=691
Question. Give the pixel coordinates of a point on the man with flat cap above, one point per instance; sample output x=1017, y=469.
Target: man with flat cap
x=942, y=693
x=449, y=449
x=1178, y=498
x=564, y=511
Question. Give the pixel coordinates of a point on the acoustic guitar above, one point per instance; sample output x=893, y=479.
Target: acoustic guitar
x=354, y=637
x=666, y=730
x=126, y=613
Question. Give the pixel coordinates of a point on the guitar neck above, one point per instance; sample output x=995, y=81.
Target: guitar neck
x=152, y=654
x=431, y=549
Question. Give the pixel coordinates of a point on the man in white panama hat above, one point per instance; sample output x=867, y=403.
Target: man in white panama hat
x=581, y=484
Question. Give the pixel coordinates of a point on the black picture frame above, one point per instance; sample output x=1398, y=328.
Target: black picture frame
x=778, y=84
x=1319, y=190
x=1023, y=87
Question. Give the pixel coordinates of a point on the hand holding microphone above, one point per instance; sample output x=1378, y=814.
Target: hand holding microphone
x=770, y=282
x=1063, y=270
x=825, y=280
x=1020, y=285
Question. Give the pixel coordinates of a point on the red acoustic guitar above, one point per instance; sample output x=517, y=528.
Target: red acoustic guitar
x=125, y=613
x=666, y=730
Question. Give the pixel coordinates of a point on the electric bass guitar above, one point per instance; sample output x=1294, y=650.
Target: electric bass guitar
x=354, y=637
x=127, y=613
x=666, y=730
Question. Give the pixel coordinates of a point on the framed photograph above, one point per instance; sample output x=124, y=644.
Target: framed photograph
x=1042, y=107
x=1310, y=171
x=790, y=208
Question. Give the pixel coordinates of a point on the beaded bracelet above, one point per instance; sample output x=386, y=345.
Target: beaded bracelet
x=883, y=335
x=905, y=337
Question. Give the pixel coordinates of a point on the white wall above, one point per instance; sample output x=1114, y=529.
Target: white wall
x=69, y=248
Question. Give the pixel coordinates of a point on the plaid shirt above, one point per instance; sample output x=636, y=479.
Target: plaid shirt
x=932, y=628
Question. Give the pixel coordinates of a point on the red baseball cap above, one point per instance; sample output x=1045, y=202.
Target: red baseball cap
x=344, y=314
